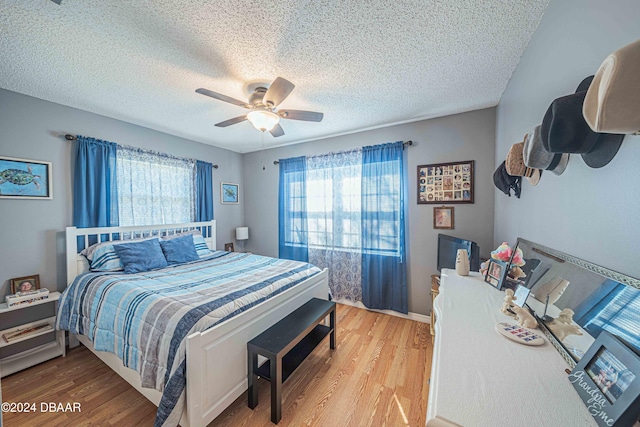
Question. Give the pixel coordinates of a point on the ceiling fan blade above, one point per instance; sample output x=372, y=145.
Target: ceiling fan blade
x=231, y=121
x=278, y=91
x=277, y=131
x=222, y=97
x=308, y=116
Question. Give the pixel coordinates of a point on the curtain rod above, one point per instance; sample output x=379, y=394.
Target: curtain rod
x=275, y=162
x=70, y=137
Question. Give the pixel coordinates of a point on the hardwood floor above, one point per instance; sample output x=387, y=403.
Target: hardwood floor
x=377, y=376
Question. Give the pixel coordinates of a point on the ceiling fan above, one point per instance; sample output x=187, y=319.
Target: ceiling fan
x=262, y=103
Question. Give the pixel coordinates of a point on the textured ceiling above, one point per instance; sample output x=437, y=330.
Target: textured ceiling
x=364, y=64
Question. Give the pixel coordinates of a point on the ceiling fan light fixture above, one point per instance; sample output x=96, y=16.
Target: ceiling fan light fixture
x=263, y=120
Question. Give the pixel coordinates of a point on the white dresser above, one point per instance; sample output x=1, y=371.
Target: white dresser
x=480, y=378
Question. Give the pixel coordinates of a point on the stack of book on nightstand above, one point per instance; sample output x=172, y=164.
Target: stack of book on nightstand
x=17, y=334
x=25, y=298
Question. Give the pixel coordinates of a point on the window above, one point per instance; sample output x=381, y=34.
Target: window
x=333, y=205
x=329, y=201
x=154, y=188
x=295, y=206
x=618, y=315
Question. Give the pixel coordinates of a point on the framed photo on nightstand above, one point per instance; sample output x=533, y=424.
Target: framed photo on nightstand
x=26, y=284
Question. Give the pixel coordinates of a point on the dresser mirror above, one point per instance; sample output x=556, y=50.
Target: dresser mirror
x=574, y=300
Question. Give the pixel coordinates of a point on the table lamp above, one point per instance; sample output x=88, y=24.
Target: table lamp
x=242, y=233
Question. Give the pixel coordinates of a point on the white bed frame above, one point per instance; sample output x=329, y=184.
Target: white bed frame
x=216, y=358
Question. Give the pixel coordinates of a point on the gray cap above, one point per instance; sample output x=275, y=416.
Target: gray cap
x=536, y=156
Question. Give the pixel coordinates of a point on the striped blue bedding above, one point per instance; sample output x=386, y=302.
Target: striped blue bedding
x=144, y=318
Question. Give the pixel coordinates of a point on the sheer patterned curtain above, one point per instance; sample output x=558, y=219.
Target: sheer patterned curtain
x=154, y=188
x=333, y=218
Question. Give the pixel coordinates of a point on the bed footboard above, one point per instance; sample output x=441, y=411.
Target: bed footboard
x=217, y=358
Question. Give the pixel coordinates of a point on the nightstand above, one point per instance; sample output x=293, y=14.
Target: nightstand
x=37, y=347
x=435, y=288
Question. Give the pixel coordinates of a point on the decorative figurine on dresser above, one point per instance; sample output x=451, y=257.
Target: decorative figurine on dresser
x=508, y=303
x=524, y=317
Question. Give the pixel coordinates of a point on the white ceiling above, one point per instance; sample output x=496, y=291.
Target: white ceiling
x=364, y=64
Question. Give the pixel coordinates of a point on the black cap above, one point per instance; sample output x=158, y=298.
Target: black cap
x=505, y=182
x=564, y=130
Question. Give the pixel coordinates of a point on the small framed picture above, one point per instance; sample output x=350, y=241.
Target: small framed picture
x=229, y=193
x=520, y=295
x=443, y=218
x=495, y=273
x=606, y=378
x=228, y=247
x=26, y=284
x=25, y=179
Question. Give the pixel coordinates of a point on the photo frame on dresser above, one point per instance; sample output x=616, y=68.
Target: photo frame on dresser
x=495, y=273
x=520, y=295
x=607, y=379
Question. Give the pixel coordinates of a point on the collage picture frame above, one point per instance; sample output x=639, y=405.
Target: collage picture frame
x=451, y=182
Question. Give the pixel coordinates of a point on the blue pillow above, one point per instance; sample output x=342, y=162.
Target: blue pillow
x=141, y=256
x=180, y=249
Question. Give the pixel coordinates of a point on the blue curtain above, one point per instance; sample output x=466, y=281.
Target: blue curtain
x=292, y=210
x=95, y=202
x=384, y=270
x=204, y=191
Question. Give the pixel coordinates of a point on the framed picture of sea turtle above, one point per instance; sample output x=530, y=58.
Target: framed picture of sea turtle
x=229, y=193
x=25, y=179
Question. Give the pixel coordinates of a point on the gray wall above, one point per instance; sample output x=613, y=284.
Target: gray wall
x=468, y=136
x=589, y=213
x=32, y=231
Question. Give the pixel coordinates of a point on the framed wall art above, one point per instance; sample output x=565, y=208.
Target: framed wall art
x=25, y=179
x=229, y=193
x=446, y=182
x=443, y=218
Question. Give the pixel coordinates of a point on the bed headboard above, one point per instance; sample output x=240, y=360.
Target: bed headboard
x=77, y=264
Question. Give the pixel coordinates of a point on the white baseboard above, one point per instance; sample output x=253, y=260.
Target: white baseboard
x=411, y=316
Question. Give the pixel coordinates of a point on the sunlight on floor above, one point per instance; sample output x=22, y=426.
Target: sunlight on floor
x=404, y=417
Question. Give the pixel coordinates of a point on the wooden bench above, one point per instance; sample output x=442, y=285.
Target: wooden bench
x=286, y=344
